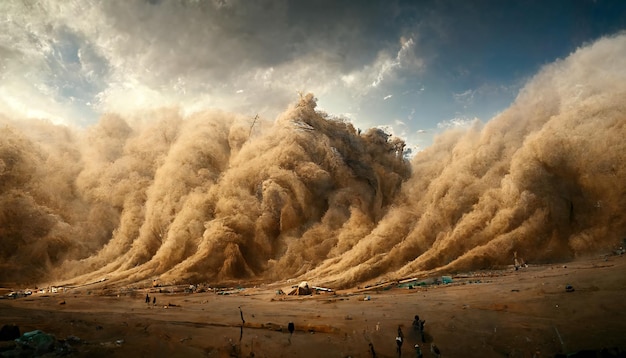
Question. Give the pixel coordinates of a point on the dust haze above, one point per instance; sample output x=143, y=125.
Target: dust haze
x=221, y=197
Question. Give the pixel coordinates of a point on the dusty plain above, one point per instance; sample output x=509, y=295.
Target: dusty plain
x=499, y=313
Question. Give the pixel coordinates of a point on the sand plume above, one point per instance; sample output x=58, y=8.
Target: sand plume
x=217, y=196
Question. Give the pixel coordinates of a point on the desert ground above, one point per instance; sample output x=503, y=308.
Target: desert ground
x=498, y=313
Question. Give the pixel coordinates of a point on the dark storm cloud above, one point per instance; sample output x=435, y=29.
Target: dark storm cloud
x=123, y=55
x=175, y=38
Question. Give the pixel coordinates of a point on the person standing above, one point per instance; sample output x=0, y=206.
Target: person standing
x=435, y=350
x=418, y=327
x=418, y=351
x=416, y=322
x=291, y=327
x=399, y=341
x=243, y=321
x=372, y=351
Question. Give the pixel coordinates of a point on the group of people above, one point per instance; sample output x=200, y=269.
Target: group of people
x=148, y=299
x=418, y=329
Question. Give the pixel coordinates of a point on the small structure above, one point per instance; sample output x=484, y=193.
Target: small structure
x=303, y=289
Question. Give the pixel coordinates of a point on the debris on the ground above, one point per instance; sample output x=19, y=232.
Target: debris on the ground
x=323, y=289
x=37, y=340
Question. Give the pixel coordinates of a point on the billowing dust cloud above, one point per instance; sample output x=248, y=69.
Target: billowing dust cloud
x=218, y=197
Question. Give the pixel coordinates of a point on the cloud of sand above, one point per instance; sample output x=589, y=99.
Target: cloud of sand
x=218, y=196
x=544, y=179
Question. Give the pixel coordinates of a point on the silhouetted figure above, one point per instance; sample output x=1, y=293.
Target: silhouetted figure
x=147, y=298
x=154, y=301
x=399, y=344
x=243, y=321
x=416, y=322
x=418, y=327
x=399, y=341
x=290, y=327
x=418, y=351
x=435, y=350
x=372, y=351
x=516, y=263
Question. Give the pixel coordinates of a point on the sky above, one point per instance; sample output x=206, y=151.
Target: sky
x=413, y=68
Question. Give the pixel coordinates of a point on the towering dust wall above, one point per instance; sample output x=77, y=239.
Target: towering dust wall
x=212, y=197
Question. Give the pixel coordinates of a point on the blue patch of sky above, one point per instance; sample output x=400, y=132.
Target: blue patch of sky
x=497, y=45
x=76, y=72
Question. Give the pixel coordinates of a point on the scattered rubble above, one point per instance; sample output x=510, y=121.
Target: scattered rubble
x=38, y=343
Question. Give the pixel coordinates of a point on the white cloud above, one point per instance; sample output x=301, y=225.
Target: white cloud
x=411, y=114
x=72, y=61
x=459, y=122
x=349, y=79
x=131, y=55
x=386, y=128
x=385, y=66
x=465, y=98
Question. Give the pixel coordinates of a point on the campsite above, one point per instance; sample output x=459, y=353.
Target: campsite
x=494, y=313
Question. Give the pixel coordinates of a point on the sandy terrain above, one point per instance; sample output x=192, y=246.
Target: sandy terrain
x=484, y=314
